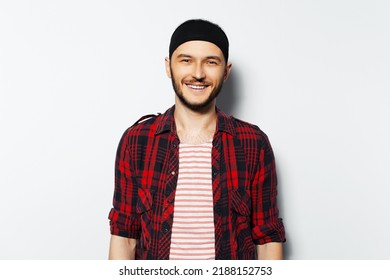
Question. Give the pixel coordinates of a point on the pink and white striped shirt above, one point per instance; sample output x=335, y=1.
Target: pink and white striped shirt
x=193, y=236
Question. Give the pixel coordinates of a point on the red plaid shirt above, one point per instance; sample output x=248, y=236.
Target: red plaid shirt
x=244, y=187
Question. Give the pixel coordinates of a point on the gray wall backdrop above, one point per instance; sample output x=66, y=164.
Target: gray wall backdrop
x=314, y=75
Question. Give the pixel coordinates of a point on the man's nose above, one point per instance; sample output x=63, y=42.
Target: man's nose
x=199, y=73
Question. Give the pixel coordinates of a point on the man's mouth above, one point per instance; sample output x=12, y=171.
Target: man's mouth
x=196, y=87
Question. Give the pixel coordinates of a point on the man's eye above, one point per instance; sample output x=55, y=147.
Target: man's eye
x=212, y=62
x=185, y=60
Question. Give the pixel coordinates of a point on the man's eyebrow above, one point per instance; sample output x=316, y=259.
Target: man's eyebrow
x=216, y=57
x=183, y=55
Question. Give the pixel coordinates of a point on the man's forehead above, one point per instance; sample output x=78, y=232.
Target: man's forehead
x=198, y=48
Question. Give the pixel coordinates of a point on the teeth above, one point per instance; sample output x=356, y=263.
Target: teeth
x=196, y=87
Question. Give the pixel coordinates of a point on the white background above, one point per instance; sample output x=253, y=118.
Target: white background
x=314, y=75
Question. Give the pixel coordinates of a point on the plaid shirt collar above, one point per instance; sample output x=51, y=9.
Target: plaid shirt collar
x=167, y=122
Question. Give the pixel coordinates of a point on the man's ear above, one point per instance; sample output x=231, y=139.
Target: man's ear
x=227, y=71
x=168, y=67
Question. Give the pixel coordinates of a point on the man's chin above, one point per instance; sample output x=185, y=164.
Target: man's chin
x=197, y=106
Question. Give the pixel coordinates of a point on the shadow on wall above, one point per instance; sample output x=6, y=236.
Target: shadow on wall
x=228, y=99
x=229, y=102
x=287, y=247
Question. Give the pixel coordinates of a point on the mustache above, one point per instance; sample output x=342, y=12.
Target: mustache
x=200, y=82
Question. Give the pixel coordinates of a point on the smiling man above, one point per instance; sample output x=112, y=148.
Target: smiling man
x=194, y=183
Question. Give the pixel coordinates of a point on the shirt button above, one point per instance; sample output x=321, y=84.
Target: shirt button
x=165, y=230
x=173, y=173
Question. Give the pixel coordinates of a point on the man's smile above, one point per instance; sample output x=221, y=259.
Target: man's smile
x=197, y=86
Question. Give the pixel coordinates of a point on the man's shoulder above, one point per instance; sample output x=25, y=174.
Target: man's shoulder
x=151, y=124
x=246, y=129
x=146, y=121
x=143, y=126
x=251, y=136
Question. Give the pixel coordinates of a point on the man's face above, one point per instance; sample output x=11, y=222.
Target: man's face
x=198, y=70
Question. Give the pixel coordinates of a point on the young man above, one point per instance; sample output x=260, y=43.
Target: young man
x=194, y=183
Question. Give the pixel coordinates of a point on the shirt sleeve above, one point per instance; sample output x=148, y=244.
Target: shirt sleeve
x=266, y=224
x=124, y=221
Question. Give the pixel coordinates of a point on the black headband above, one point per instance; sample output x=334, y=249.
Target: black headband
x=199, y=30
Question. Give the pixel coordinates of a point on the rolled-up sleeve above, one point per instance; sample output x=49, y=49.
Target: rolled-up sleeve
x=124, y=220
x=266, y=224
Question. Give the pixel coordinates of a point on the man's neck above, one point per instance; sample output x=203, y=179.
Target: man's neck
x=195, y=127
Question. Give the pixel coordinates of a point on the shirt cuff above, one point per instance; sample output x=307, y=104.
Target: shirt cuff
x=124, y=225
x=273, y=232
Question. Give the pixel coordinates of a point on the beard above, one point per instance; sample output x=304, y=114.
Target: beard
x=196, y=107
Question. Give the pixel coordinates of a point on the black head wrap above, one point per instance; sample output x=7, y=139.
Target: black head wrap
x=199, y=30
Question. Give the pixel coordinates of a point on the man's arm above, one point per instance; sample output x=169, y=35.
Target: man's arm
x=268, y=228
x=124, y=220
x=122, y=248
x=270, y=251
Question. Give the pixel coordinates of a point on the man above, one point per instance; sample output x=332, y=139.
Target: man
x=194, y=183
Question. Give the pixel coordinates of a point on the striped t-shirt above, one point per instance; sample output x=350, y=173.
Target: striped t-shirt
x=193, y=234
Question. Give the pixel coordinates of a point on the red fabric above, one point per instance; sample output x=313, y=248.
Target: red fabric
x=244, y=187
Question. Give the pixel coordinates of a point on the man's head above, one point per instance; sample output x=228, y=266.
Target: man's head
x=199, y=30
x=198, y=63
